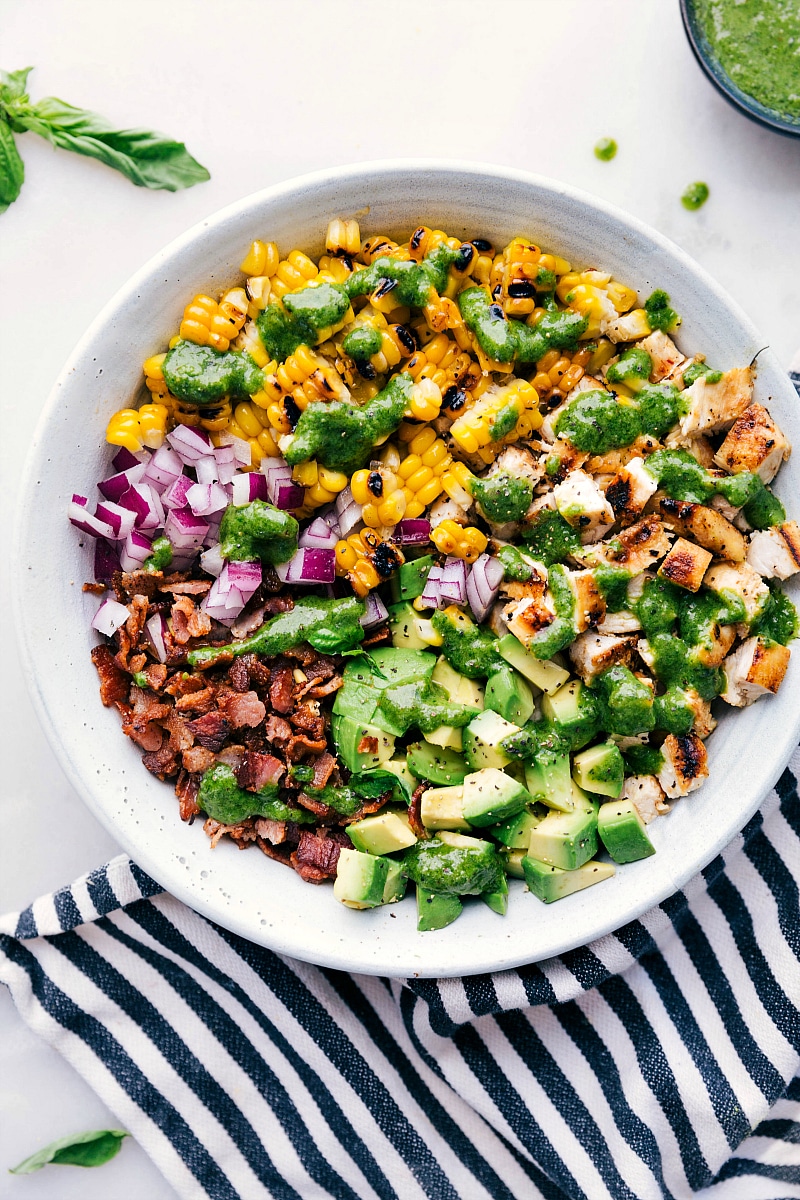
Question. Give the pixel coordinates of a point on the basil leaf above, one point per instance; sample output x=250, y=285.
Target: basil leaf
x=148, y=159
x=14, y=84
x=78, y=1150
x=371, y=784
x=12, y=169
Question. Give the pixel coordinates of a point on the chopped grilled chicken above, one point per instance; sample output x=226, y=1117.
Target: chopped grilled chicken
x=587, y=383
x=713, y=406
x=646, y=795
x=628, y=328
x=704, y=723
x=629, y=490
x=636, y=585
x=721, y=505
x=664, y=355
x=685, y=565
x=595, y=652
x=615, y=460
x=590, y=605
x=755, y=443
x=741, y=579
x=755, y=669
x=583, y=505
x=526, y=617
x=706, y=526
x=685, y=764
x=676, y=375
x=521, y=464
x=641, y=545
x=775, y=552
x=445, y=509
x=720, y=638
x=699, y=447
x=560, y=459
x=619, y=622
x=645, y=652
x=497, y=619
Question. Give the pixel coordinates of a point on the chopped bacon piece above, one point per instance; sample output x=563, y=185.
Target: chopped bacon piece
x=325, y=689
x=189, y=587
x=241, y=833
x=114, y=683
x=155, y=675
x=322, y=769
x=161, y=762
x=368, y=745
x=281, y=689
x=137, y=663
x=181, y=684
x=188, y=621
x=146, y=705
x=211, y=730
x=306, y=717
x=316, y=857
x=271, y=831
x=186, y=790
x=197, y=759
x=197, y=702
x=180, y=735
x=135, y=622
x=257, y=671
x=415, y=812
x=127, y=584
x=95, y=589
x=301, y=747
x=231, y=756
x=239, y=676
x=257, y=770
x=278, y=730
x=315, y=806
x=303, y=653
x=243, y=709
x=278, y=853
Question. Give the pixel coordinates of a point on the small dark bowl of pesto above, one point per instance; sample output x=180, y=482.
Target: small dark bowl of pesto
x=750, y=51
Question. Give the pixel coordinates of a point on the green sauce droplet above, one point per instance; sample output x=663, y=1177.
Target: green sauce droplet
x=605, y=149
x=695, y=196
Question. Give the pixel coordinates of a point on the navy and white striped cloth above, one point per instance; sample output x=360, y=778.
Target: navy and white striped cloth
x=661, y=1061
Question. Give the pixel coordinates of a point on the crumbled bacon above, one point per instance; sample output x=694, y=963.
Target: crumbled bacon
x=197, y=702
x=282, y=689
x=156, y=675
x=322, y=769
x=94, y=589
x=198, y=759
x=316, y=857
x=161, y=762
x=114, y=683
x=231, y=756
x=271, y=831
x=181, y=684
x=301, y=747
x=257, y=770
x=415, y=811
x=243, y=708
x=137, y=663
x=211, y=730
x=315, y=806
x=135, y=623
x=326, y=689
x=180, y=735
x=188, y=621
x=278, y=731
x=127, y=584
x=368, y=745
x=186, y=790
x=188, y=587
x=239, y=676
x=308, y=719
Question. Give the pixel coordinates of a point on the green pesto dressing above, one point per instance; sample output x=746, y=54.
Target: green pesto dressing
x=642, y=760
x=778, y=619
x=340, y=435
x=695, y=196
x=605, y=149
x=515, y=565
x=507, y=340
x=203, y=376
x=454, y=870
x=613, y=584
x=596, y=422
x=659, y=313
x=468, y=648
x=362, y=342
x=757, y=43
x=423, y=705
x=161, y=555
x=257, y=531
x=412, y=284
x=222, y=799
x=550, y=538
x=560, y=632
x=683, y=478
x=503, y=497
x=304, y=318
x=329, y=625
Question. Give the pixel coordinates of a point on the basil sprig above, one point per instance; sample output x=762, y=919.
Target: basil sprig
x=148, y=159
x=91, y=1149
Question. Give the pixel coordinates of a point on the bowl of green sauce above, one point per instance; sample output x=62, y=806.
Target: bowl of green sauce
x=750, y=50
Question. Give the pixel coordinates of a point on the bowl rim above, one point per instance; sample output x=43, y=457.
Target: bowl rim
x=768, y=118
x=172, y=879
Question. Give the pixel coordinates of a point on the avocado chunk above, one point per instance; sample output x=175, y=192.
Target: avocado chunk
x=376, y=745
x=515, y=832
x=399, y=767
x=482, y=739
x=550, y=883
x=436, y=911
x=454, y=864
x=512, y=862
x=497, y=900
x=383, y=833
x=357, y=701
x=491, y=796
x=460, y=689
x=443, y=808
x=436, y=764
x=413, y=575
x=566, y=840
x=545, y=675
x=393, y=665
x=508, y=694
x=600, y=769
x=402, y=626
x=360, y=879
x=622, y=831
x=447, y=737
x=550, y=781
x=575, y=711
x=396, y=883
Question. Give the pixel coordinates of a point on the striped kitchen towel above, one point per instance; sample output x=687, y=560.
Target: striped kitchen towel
x=661, y=1061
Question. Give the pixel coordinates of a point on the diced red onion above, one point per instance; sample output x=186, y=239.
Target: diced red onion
x=134, y=551
x=184, y=529
x=431, y=596
x=106, y=561
x=483, y=585
x=175, y=495
x=318, y=535
x=226, y=463
x=308, y=565
x=328, y=515
x=190, y=444
x=145, y=502
x=348, y=512
x=414, y=531
x=206, y=498
x=125, y=460
x=183, y=559
x=376, y=611
x=211, y=560
x=289, y=496
x=115, y=487
x=248, y=486
x=212, y=533
x=242, y=451
x=231, y=590
x=163, y=469
x=453, y=582
x=86, y=522
x=275, y=466
x=207, y=469
x=156, y=631
x=120, y=519
x=109, y=617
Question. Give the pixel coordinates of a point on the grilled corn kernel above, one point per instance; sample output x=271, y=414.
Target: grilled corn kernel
x=346, y=557
x=205, y=324
x=317, y=495
x=124, y=430
x=343, y=237
x=364, y=577
x=621, y=296
x=245, y=416
x=332, y=481
x=153, y=367
x=465, y=542
x=153, y=424
x=268, y=444
x=391, y=510
x=476, y=429
x=426, y=400
x=262, y=259
x=457, y=483
x=306, y=474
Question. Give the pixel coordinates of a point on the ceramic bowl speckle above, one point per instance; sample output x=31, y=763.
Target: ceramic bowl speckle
x=246, y=892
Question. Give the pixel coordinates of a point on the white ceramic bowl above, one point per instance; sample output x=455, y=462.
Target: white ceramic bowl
x=247, y=893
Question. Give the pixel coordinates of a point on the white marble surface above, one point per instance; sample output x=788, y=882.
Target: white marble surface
x=261, y=91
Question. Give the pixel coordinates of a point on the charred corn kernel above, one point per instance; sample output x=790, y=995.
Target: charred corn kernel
x=390, y=457
x=234, y=305
x=392, y=510
x=332, y=481
x=278, y=419
x=259, y=289
x=423, y=240
x=343, y=237
x=268, y=444
x=436, y=456
x=475, y=429
x=359, y=486
x=262, y=259
x=245, y=418
x=425, y=401
x=419, y=479
x=465, y=542
x=216, y=420
x=548, y=360
x=603, y=352
x=306, y=473
x=429, y=491
x=154, y=367
x=408, y=466
x=457, y=483
x=423, y=442
x=369, y=515
x=317, y=495
x=621, y=296
x=346, y=557
x=333, y=269
x=153, y=424
x=294, y=272
x=125, y=430
x=256, y=453
x=205, y=324
x=374, y=247
x=249, y=340
x=571, y=377
x=364, y=577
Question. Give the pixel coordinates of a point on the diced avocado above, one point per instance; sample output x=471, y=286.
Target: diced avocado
x=395, y=887
x=446, y=736
x=397, y=664
x=435, y=911
x=436, y=764
x=383, y=833
x=460, y=689
x=551, y=782
x=508, y=694
x=429, y=636
x=622, y=831
x=360, y=879
x=491, y=796
x=349, y=735
x=356, y=701
x=412, y=576
x=565, y=840
x=515, y=832
x=454, y=864
x=512, y=862
x=402, y=625
x=551, y=883
x=443, y=808
x=482, y=738
x=399, y=767
x=497, y=900
x=600, y=769
x=574, y=710
x=545, y=675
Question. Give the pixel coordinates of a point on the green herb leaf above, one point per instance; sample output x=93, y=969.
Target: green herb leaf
x=14, y=84
x=91, y=1149
x=12, y=168
x=148, y=159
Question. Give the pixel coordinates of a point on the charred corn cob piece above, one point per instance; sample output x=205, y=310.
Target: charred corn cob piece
x=462, y=541
x=381, y=494
x=137, y=429
x=367, y=560
x=422, y=469
x=495, y=417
